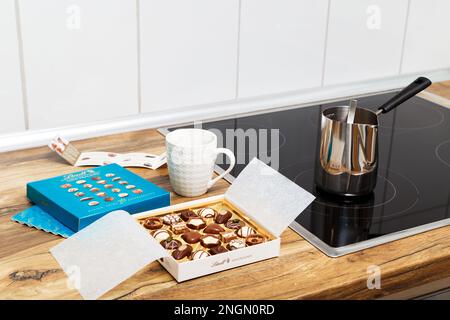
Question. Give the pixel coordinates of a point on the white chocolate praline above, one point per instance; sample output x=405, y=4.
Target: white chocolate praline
x=245, y=231
x=171, y=219
x=123, y=195
x=200, y=254
x=161, y=235
x=210, y=240
x=196, y=222
x=236, y=244
x=207, y=212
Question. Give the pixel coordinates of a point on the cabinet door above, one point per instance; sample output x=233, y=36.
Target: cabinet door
x=427, y=43
x=364, y=40
x=281, y=45
x=80, y=60
x=12, y=115
x=188, y=52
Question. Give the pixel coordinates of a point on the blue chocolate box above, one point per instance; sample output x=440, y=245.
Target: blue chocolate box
x=78, y=199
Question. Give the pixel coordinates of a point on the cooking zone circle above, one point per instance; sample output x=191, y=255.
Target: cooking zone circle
x=388, y=198
x=442, y=152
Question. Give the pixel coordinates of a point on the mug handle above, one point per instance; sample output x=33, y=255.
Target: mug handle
x=230, y=156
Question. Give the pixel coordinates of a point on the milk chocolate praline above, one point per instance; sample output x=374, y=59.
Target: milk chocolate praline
x=234, y=224
x=153, y=223
x=253, y=239
x=213, y=228
x=170, y=243
x=191, y=237
x=210, y=241
x=179, y=228
x=182, y=251
x=217, y=250
x=196, y=223
x=222, y=216
x=187, y=214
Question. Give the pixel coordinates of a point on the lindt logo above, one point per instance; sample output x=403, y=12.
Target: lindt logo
x=220, y=263
x=82, y=174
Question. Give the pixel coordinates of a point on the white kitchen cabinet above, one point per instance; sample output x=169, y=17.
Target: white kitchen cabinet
x=11, y=105
x=364, y=40
x=427, y=43
x=80, y=60
x=188, y=52
x=281, y=45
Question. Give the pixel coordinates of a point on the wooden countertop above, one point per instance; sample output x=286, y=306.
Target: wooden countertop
x=28, y=270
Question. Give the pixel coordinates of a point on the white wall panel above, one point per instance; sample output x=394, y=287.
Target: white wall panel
x=80, y=60
x=427, y=44
x=364, y=40
x=188, y=52
x=11, y=106
x=281, y=45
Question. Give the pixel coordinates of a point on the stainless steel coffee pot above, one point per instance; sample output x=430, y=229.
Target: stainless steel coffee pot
x=348, y=153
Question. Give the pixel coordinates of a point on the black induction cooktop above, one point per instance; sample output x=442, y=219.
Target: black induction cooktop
x=412, y=194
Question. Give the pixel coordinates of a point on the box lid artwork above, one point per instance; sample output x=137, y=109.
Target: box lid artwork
x=78, y=199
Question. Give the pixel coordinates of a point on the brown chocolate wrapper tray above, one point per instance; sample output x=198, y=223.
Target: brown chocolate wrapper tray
x=217, y=206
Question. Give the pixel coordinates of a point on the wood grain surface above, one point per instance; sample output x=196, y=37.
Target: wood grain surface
x=28, y=270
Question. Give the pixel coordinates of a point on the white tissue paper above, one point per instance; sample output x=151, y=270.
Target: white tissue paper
x=272, y=199
x=107, y=252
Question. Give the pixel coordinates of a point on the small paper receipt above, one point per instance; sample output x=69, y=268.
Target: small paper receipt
x=107, y=252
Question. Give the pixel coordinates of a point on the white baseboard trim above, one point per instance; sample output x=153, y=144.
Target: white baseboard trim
x=35, y=138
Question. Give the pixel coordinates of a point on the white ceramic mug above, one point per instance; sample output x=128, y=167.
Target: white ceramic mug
x=191, y=155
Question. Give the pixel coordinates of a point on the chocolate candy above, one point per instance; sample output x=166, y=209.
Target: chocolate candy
x=161, y=235
x=210, y=241
x=170, y=219
x=66, y=186
x=179, y=227
x=236, y=244
x=207, y=213
x=217, y=250
x=182, y=252
x=153, y=223
x=196, y=223
x=187, y=214
x=199, y=254
x=245, y=231
x=214, y=228
x=96, y=178
x=228, y=236
x=222, y=216
x=234, y=224
x=253, y=239
x=191, y=237
x=170, y=243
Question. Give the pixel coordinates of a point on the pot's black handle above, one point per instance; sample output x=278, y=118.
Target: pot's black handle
x=410, y=91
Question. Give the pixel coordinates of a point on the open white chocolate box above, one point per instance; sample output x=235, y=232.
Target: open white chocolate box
x=114, y=247
x=262, y=198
